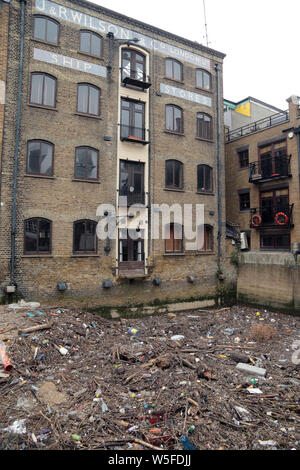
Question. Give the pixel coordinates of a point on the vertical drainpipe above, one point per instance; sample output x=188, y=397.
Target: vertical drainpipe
x=219, y=165
x=16, y=160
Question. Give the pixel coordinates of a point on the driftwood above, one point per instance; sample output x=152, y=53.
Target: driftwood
x=32, y=329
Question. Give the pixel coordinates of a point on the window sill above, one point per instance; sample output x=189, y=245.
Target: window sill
x=44, y=177
x=41, y=41
x=93, y=56
x=205, y=193
x=181, y=82
x=181, y=134
x=175, y=189
x=245, y=210
x=88, y=116
x=204, y=89
x=210, y=141
x=38, y=256
x=40, y=106
x=174, y=254
x=79, y=180
x=85, y=256
x=205, y=253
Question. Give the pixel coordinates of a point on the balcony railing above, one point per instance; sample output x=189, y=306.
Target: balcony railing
x=128, y=198
x=265, y=123
x=136, y=78
x=270, y=168
x=279, y=217
x=133, y=134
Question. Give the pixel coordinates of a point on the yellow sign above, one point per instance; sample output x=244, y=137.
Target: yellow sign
x=244, y=109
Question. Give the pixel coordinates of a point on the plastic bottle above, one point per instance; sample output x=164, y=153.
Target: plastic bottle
x=134, y=332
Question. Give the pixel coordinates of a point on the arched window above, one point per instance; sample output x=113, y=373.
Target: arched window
x=43, y=89
x=174, y=174
x=204, y=178
x=204, y=126
x=174, y=118
x=174, y=69
x=174, y=239
x=205, y=238
x=40, y=158
x=88, y=99
x=46, y=29
x=133, y=65
x=203, y=79
x=91, y=43
x=37, y=236
x=86, y=163
x=85, y=240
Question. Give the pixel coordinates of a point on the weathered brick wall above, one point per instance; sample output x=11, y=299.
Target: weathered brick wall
x=64, y=201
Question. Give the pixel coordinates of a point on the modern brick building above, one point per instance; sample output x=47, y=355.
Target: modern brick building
x=110, y=111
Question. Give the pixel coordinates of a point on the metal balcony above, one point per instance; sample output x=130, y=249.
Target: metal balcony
x=128, y=198
x=269, y=169
x=135, y=78
x=133, y=134
x=274, y=217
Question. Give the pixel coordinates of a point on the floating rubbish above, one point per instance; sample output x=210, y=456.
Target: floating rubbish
x=63, y=351
x=134, y=332
x=254, y=391
x=18, y=427
x=177, y=338
x=187, y=444
x=75, y=437
x=32, y=315
x=4, y=358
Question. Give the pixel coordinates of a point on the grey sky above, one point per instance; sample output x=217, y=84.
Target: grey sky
x=259, y=37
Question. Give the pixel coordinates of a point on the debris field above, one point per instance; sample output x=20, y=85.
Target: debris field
x=208, y=380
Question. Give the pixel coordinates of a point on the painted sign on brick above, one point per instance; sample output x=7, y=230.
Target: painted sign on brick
x=69, y=62
x=103, y=27
x=185, y=95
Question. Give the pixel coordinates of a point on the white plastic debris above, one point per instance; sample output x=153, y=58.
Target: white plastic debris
x=254, y=391
x=18, y=427
x=177, y=338
x=251, y=370
x=268, y=443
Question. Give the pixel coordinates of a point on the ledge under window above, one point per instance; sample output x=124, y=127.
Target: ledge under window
x=40, y=106
x=89, y=116
x=81, y=180
x=174, y=254
x=44, y=177
x=206, y=193
x=85, y=255
x=181, y=134
x=40, y=255
x=91, y=55
x=210, y=141
x=178, y=190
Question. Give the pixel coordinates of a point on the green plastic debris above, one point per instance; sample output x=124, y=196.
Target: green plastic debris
x=75, y=437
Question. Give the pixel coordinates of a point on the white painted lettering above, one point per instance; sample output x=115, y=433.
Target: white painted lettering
x=76, y=16
x=62, y=12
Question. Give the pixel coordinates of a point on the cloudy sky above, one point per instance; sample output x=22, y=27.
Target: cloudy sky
x=259, y=37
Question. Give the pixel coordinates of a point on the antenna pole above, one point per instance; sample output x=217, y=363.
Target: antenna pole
x=205, y=23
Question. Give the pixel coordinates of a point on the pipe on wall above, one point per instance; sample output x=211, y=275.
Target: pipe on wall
x=16, y=159
x=219, y=165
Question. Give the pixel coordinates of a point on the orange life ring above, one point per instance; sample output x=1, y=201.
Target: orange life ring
x=281, y=214
x=256, y=220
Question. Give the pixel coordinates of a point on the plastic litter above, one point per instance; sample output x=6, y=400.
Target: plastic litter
x=18, y=427
x=187, y=444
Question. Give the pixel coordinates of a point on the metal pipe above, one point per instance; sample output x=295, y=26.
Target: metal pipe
x=18, y=129
x=219, y=166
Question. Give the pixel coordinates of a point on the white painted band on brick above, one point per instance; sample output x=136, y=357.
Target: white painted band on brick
x=185, y=94
x=2, y=92
x=103, y=27
x=69, y=62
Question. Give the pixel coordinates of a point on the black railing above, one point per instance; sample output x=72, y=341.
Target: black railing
x=265, y=123
x=137, y=78
x=279, y=216
x=133, y=134
x=270, y=168
x=128, y=198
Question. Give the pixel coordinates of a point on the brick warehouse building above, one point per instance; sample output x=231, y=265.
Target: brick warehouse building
x=263, y=201
x=109, y=108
